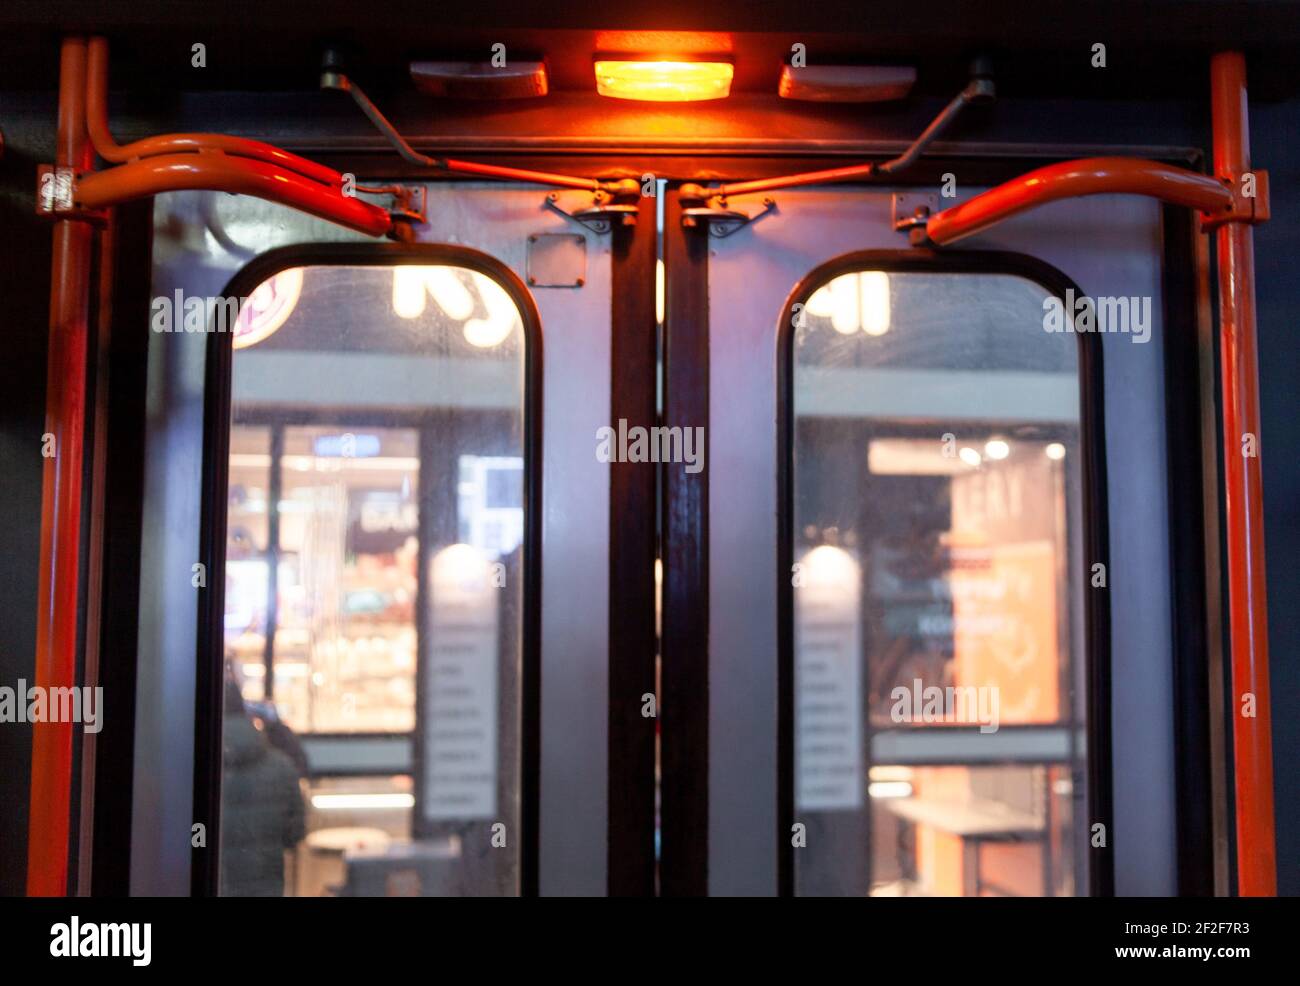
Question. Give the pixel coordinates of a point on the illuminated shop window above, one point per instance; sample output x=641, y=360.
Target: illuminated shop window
x=374, y=584
x=937, y=531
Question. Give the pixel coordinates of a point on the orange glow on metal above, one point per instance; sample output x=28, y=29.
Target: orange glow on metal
x=49, y=818
x=1072, y=179
x=663, y=81
x=1243, y=483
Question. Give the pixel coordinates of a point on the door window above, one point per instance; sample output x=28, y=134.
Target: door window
x=938, y=587
x=374, y=585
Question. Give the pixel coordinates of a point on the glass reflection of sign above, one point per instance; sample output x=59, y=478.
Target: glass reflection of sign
x=492, y=502
x=346, y=446
x=268, y=307
x=459, y=728
x=1004, y=582
x=245, y=595
x=828, y=681
x=1005, y=633
x=381, y=520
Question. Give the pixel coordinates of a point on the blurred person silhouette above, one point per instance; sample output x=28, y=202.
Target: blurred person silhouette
x=262, y=811
x=266, y=717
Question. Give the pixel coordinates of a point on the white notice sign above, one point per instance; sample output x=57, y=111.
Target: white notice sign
x=828, y=681
x=460, y=706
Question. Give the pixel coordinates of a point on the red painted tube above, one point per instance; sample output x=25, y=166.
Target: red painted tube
x=518, y=174
x=825, y=177
x=110, y=150
x=1243, y=483
x=65, y=412
x=224, y=173
x=1072, y=179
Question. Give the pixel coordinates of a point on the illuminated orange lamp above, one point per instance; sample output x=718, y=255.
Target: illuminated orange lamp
x=663, y=81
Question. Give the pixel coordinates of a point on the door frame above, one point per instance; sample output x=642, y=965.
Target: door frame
x=1203, y=846
x=216, y=458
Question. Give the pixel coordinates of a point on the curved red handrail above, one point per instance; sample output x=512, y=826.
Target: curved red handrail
x=225, y=173
x=110, y=150
x=1072, y=179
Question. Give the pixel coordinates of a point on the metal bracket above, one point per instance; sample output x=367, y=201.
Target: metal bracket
x=1249, y=209
x=720, y=220
x=603, y=215
x=410, y=207
x=410, y=204
x=911, y=211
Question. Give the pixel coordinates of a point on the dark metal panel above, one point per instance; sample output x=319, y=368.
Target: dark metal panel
x=123, y=502
x=684, y=713
x=633, y=362
x=1193, y=735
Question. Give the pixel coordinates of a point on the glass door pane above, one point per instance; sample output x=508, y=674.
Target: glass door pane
x=374, y=604
x=938, y=589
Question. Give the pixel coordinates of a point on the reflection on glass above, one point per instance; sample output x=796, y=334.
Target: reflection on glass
x=937, y=590
x=374, y=588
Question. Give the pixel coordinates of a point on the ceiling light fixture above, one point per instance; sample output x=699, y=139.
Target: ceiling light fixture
x=665, y=81
x=481, y=80
x=846, y=83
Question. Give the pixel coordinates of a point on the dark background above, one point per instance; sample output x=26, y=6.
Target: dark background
x=262, y=58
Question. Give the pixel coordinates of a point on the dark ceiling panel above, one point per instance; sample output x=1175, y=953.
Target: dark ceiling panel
x=1155, y=48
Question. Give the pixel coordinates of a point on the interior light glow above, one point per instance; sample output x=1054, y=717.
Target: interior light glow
x=660, y=288
x=888, y=772
x=268, y=307
x=873, y=289
x=1055, y=451
x=970, y=456
x=502, y=315
x=828, y=566
x=910, y=457
x=839, y=301
x=663, y=81
x=889, y=789
x=996, y=449
x=857, y=301
x=408, y=291
x=378, y=463
x=822, y=302
x=346, y=802
x=449, y=292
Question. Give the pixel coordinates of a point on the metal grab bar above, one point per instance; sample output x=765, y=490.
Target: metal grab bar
x=1244, y=501
x=115, y=153
x=224, y=173
x=1231, y=211
x=1073, y=179
x=49, y=817
x=217, y=162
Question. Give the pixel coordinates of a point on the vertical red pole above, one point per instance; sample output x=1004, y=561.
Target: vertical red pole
x=1252, y=737
x=65, y=412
